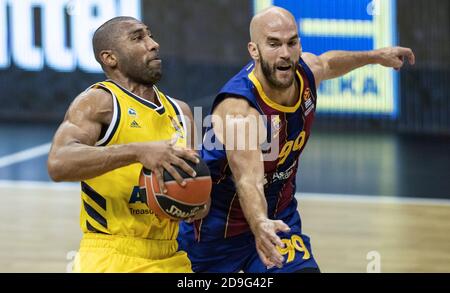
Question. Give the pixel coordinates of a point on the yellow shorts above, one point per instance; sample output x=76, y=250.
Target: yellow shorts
x=118, y=254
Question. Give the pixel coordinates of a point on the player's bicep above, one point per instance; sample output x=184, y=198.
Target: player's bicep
x=237, y=125
x=242, y=131
x=71, y=132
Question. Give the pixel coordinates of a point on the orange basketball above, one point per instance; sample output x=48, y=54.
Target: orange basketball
x=180, y=202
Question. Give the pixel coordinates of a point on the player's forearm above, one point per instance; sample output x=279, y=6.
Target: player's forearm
x=339, y=63
x=77, y=162
x=252, y=201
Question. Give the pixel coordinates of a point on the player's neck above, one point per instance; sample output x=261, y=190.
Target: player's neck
x=144, y=91
x=286, y=97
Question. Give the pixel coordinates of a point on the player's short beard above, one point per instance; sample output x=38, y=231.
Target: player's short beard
x=270, y=74
x=140, y=72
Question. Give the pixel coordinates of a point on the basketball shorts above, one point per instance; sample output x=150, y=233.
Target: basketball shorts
x=117, y=254
x=235, y=254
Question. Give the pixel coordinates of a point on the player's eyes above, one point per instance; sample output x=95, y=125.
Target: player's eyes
x=137, y=37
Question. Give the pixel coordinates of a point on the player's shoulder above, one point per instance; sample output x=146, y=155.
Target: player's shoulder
x=313, y=61
x=95, y=103
x=315, y=64
x=184, y=107
x=234, y=106
x=95, y=95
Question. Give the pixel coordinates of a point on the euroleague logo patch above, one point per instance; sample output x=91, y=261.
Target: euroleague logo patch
x=307, y=98
x=307, y=94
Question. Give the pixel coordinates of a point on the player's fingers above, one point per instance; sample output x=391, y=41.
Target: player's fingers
x=276, y=257
x=172, y=171
x=272, y=252
x=275, y=239
x=269, y=264
x=158, y=173
x=264, y=247
x=281, y=226
x=184, y=166
x=187, y=154
x=411, y=57
x=408, y=53
x=397, y=64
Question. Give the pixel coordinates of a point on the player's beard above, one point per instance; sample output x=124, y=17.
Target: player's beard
x=141, y=72
x=270, y=74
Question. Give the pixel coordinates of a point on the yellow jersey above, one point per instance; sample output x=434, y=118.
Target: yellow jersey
x=111, y=203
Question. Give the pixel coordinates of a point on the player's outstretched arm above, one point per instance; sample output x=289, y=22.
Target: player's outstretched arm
x=246, y=163
x=74, y=156
x=334, y=64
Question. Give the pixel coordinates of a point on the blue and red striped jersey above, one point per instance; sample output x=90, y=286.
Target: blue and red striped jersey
x=290, y=126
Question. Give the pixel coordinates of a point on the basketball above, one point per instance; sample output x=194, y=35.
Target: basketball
x=180, y=202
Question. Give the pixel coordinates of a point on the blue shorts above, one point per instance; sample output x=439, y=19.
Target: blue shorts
x=231, y=255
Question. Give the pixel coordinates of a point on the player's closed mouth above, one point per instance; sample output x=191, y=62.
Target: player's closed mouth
x=154, y=60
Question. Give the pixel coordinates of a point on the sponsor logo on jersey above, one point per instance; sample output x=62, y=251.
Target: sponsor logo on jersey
x=134, y=124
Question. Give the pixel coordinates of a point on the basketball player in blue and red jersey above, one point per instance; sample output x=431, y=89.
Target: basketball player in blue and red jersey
x=253, y=224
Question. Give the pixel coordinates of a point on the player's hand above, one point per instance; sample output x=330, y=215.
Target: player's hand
x=267, y=240
x=394, y=57
x=157, y=156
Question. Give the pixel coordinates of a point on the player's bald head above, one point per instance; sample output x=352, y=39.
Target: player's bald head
x=106, y=36
x=272, y=18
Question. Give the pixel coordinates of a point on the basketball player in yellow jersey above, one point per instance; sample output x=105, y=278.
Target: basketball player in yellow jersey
x=110, y=131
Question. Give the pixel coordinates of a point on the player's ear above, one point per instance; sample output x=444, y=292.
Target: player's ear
x=253, y=50
x=108, y=58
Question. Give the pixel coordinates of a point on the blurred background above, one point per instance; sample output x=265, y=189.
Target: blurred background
x=375, y=175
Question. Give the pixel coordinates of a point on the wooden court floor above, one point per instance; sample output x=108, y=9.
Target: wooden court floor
x=39, y=231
